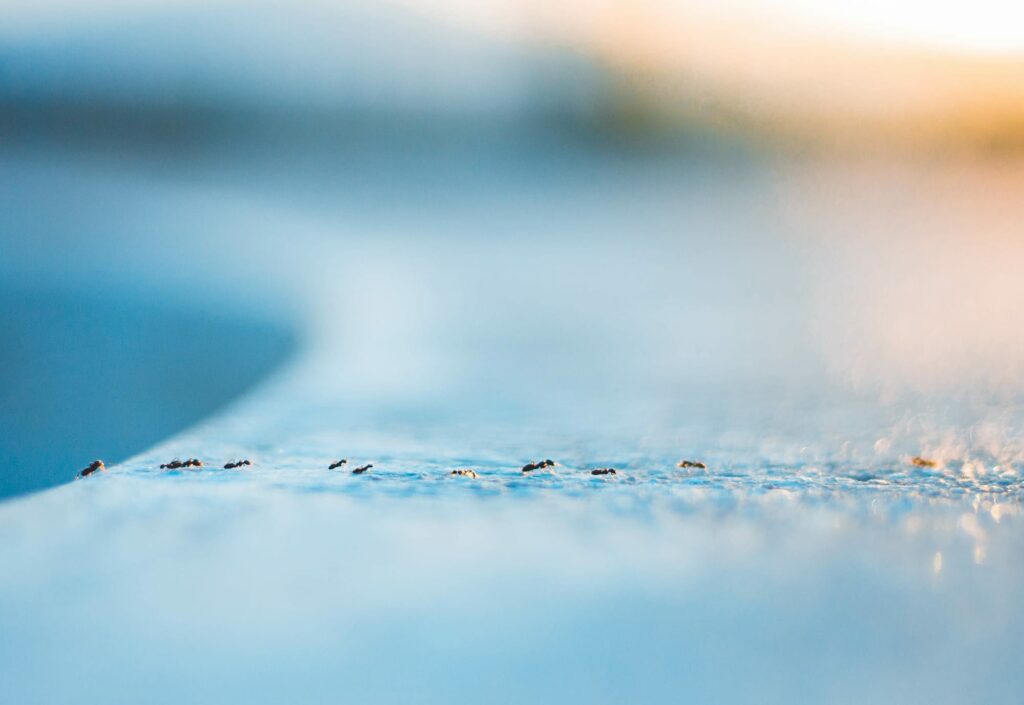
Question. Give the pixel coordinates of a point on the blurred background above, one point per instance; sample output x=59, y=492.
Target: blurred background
x=640, y=214
x=798, y=73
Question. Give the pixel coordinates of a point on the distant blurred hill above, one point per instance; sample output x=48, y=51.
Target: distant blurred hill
x=625, y=72
x=356, y=58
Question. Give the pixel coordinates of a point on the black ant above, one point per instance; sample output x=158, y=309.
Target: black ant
x=93, y=467
x=547, y=463
x=175, y=464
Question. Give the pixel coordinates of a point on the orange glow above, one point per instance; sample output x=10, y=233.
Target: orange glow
x=806, y=80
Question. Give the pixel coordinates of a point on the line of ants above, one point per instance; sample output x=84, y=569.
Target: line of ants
x=546, y=464
x=178, y=464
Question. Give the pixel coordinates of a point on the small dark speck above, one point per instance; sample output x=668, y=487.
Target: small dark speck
x=236, y=464
x=546, y=463
x=96, y=465
x=692, y=464
x=337, y=464
x=360, y=470
x=175, y=464
x=603, y=471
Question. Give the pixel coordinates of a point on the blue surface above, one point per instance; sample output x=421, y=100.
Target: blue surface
x=575, y=306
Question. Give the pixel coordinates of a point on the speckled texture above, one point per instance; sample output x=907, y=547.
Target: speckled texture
x=522, y=305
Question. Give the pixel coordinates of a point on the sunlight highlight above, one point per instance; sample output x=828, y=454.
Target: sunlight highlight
x=984, y=26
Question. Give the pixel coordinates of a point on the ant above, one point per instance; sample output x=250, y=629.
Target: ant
x=93, y=467
x=603, y=471
x=361, y=470
x=175, y=464
x=337, y=464
x=236, y=464
x=547, y=463
x=464, y=472
x=692, y=464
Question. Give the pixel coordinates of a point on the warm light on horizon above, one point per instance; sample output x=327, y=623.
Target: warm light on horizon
x=982, y=26
x=910, y=72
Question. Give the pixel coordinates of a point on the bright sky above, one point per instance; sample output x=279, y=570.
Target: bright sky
x=985, y=26
x=988, y=26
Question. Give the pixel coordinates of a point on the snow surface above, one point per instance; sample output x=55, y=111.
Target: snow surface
x=520, y=305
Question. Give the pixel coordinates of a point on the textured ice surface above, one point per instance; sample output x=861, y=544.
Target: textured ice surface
x=293, y=584
x=521, y=305
x=292, y=437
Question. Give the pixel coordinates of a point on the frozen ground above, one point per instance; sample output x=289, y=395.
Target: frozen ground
x=804, y=329
x=133, y=588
